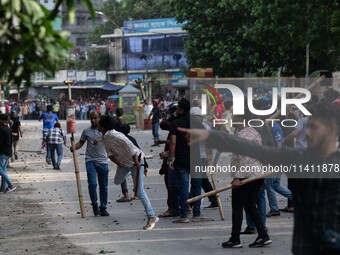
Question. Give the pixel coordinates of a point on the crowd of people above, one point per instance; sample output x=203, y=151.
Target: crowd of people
x=313, y=140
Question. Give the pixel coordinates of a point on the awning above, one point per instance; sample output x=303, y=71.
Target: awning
x=79, y=87
x=113, y=87
x=113, y=97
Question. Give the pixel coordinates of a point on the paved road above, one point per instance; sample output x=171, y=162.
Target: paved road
x=53, y=194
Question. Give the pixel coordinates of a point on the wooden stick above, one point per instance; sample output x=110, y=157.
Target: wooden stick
x=137, y=177
x=218, y=198
x=219, y=190
x=76, y=170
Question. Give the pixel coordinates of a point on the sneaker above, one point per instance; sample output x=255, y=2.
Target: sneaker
x=103, y=212
x=57, y=167
x=273, y=213
x=232, y=244
x=260, y=242
x=10, y=189
x=248, y=231
x=16, y=157
x=48, y=161
x=201, y=219
x=181, y=220
x=95, y=210
x=151, y=223
x=212, y=206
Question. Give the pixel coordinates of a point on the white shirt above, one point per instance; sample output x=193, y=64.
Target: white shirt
x=120, y=147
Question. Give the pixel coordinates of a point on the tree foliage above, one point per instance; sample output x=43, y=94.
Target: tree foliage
x=239, y=36
x=28, y=42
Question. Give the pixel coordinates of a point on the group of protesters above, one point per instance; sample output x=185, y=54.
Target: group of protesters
x=314, y=140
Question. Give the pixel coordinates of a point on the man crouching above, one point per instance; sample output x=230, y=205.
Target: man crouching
x=129, y=160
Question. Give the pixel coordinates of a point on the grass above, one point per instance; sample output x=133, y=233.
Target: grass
x=129, y=118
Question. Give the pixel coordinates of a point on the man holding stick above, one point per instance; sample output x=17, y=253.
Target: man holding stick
x=316, y=193
x=96, y=164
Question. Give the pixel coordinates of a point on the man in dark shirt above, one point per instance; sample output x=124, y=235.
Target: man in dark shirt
x=155, y=121
x=179, y=157
x=316, y=170
x=16, y=133
x=5, y=153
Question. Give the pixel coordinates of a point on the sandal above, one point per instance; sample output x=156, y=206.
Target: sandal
x=166, y=214
x=288, y=209
x=123, y=199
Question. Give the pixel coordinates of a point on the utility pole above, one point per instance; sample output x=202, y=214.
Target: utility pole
x=123, y=37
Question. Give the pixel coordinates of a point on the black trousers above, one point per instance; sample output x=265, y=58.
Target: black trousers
x=245, y=197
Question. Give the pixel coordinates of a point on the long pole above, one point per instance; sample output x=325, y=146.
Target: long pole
x=76, y=171
x=224, y=188
x=218, y=198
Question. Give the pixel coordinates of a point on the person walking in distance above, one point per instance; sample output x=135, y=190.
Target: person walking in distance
x=5, y=154
x=55, y=139
x=96, y=164
x=49, y=119
x=16, y=133
x=155, y=114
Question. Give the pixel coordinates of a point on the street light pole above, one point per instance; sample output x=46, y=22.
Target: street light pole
x=123, y=37
x=69, y=83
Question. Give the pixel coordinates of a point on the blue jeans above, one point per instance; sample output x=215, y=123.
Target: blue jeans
x=83, y=115
x=155, y=128
x=179, y=177
x=261, y=205
x=3, y=172
x=59, y=148
x=195, y=190
x=123, y=172
x=272, y=186
x=102, y=170
x=48, y=151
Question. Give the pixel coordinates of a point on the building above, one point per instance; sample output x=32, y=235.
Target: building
x=148, y=48
x=81, y=27
x=49, y=5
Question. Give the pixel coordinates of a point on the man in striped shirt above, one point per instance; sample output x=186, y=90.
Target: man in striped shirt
x=55, y=138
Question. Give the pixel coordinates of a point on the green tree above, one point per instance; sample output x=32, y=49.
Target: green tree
x=260, y=36
x=28, y=42
x=216, y=36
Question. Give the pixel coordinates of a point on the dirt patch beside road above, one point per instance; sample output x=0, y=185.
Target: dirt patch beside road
x=25, y=229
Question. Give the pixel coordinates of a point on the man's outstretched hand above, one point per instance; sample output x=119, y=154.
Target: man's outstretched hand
x=194, y=135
